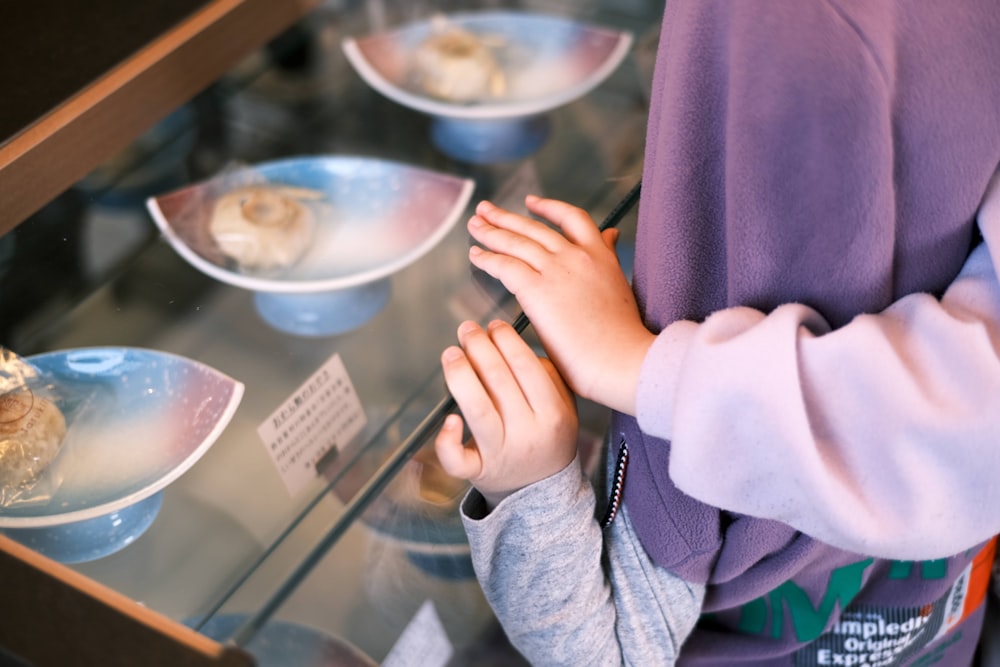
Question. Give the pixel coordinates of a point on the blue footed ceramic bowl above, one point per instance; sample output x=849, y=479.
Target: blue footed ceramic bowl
x=373, y=218
x=284, y=644
x=546, y=62
x=139, y=420
x=90, y=539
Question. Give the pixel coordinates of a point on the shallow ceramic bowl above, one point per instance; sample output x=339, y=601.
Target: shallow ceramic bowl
x=150, y=416
x=547, y=62
x=282, y=643
x=383, y=216
x=423, y=521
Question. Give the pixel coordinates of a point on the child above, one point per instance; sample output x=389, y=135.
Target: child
x=807, y=164
x=538, y=554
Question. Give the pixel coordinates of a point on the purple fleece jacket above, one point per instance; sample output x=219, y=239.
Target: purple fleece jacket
x=831, y=153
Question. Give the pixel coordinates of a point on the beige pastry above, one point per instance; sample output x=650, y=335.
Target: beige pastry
x=435, y=486
x=456, y=65
x=32, y=429
x=264, y=227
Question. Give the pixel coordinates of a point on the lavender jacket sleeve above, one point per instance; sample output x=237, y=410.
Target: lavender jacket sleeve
x=568, y=595
x=880, y=437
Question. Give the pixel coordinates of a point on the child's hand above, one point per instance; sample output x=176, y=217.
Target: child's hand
x=573, y=290
x=521, y=414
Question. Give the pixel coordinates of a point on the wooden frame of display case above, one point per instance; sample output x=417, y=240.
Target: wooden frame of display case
x=65, y=144
x=54, y=615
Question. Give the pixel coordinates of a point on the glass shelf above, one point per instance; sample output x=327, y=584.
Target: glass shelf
x=229, y=538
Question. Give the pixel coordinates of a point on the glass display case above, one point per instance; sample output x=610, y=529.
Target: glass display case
x=367, y=547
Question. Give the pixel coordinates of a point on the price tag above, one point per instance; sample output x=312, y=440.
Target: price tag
x=323, y=414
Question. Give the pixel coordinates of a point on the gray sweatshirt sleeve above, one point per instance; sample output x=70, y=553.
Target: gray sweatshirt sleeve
x=565, y=593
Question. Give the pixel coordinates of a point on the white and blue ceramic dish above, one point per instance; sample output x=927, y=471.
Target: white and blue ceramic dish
x=424, y=522
x=150, y=416
x=383, y=216
x=283, y=643
x=547, y=62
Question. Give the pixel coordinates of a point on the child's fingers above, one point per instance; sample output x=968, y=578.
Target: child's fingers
x=508, y=244
x=575, y=223
x=519, y=226
x=512, y=272
x=468, y=390
x=559, y=382
x=610, y=237
x=494, y=373
x=457, y=459
x=542, y=391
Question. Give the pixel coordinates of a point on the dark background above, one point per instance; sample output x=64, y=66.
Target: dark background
x=51, y=49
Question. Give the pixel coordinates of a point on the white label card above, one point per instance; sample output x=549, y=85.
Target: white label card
x=323, y=414
x=423, y=643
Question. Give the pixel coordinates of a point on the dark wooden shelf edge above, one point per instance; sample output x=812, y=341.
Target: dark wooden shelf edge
x=55, y=616
x=62, y=147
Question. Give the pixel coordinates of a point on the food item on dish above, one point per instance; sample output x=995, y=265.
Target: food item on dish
x=457, y=65
x=264, y=227
x=32, y=429
x=423, y=486
x=433, y=484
